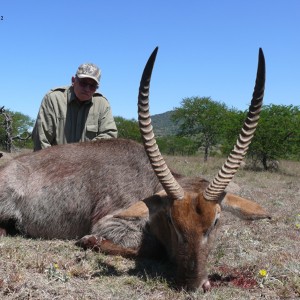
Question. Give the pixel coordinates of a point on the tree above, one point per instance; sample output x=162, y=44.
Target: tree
x=176, y=145
x=128, y=129
x=16, y=129
x=203, y=119
x=231, y=128
x=277, y=135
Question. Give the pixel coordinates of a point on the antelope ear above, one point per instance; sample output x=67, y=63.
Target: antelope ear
x=141, y=209
x=157, y=202
x=243, y=208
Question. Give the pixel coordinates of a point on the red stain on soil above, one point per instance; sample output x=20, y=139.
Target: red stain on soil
x=239, y=277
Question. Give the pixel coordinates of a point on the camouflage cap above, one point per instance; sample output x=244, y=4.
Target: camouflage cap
x=89, y=70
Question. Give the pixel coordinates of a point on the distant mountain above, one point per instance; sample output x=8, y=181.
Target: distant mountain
x=162, y=124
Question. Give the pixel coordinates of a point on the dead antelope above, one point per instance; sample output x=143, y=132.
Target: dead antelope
x=119, y=197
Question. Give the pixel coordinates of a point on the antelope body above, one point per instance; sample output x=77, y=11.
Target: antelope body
x=119, y=197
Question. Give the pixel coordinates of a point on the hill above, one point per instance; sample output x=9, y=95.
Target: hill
x=163, y=125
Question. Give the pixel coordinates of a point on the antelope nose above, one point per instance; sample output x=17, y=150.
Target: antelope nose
x=206, y=286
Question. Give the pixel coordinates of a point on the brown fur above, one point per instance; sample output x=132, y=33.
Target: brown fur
x=106, y=194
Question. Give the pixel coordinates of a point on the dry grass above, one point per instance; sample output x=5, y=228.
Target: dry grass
x=40, y=269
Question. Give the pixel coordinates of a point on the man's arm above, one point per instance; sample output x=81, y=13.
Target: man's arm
x=107, y=125
x=43, y=134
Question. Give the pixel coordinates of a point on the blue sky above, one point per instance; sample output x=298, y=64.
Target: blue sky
x=206, y=49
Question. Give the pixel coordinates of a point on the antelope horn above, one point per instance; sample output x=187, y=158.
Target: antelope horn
x=230, y=167
x=167, y=180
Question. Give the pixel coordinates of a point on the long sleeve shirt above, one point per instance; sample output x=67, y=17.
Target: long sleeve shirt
x=63, y=119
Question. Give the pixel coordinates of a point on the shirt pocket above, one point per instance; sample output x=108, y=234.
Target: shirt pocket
x=91, y=131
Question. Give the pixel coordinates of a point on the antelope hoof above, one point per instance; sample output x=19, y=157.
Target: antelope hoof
x=89, y=242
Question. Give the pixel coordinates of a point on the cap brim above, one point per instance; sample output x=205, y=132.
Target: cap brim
x=87, y=76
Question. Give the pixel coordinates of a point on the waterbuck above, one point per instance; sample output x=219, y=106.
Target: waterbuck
x=120, y=197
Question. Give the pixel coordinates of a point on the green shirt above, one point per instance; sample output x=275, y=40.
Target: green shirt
x=63, y=119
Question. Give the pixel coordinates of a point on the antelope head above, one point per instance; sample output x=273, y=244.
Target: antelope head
x=184, y=215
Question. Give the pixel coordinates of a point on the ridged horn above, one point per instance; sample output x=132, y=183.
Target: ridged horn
x=230, y=167
x=167, y=180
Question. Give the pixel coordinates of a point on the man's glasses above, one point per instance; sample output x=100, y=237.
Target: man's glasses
x=84, y=84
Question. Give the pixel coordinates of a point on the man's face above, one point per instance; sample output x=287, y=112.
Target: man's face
x=84, y=88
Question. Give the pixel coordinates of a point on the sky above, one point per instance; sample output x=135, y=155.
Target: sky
x=206, y=49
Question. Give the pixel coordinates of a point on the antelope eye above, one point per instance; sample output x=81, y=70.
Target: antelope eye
x=207, y=233
x=216, y=222
x=217, y=218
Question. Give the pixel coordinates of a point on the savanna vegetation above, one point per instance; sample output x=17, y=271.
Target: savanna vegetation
x=15, y=130
x=200, y=126
x=205, y=127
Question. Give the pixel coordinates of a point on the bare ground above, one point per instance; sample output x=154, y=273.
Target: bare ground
x=250, y=260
